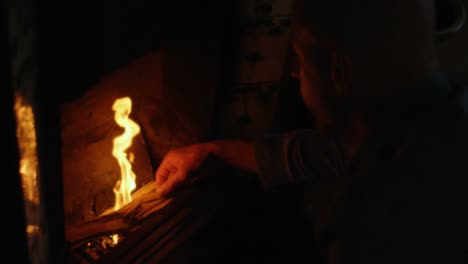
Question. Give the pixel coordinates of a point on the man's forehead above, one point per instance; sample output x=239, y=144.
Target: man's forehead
x=299, y=31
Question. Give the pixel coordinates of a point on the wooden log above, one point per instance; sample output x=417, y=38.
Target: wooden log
x=145, y=203
x=155, y=227
x=143, y=241
x=155, y=235
x=162, y=248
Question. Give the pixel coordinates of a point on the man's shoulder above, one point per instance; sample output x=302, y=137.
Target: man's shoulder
x=445, y=132
x=436, y=142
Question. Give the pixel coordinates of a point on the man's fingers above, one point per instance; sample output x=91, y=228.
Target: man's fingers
x=161, y=175
x=165, y=169
x=160, y=179
x=174, y=180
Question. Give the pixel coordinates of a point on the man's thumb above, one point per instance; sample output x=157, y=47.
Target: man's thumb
x=161, y=189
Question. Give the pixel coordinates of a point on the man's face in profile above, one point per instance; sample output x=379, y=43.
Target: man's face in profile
x=313, y=70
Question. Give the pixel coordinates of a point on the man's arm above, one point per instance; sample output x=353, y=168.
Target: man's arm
x=236, y=153
x=293, y=158
x=304, y=158
x=178, y=163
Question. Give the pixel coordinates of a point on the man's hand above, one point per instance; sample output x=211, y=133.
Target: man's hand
x=177, y=165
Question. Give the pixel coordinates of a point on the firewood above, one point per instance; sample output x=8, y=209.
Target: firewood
x=145, y=202
x=151, y=235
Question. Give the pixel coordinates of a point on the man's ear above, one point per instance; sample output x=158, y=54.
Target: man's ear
x=341, y=72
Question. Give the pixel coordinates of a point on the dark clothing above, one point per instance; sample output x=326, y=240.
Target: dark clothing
x=403, y=198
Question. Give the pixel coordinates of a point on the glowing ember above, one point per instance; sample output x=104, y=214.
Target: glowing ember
x=26, y=136
x=126, y=184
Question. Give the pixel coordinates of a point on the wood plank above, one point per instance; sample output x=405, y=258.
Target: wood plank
x=156, y=239
x=156, y=226
x=145, y=203
x=174, y=239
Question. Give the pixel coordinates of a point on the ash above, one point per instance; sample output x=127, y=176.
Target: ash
x=92, y=250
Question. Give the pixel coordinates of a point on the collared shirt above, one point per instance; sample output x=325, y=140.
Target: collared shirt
x=403, y=199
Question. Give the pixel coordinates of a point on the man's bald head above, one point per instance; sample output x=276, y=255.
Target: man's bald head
x=385, y=39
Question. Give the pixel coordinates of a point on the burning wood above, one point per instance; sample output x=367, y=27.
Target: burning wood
x=152, y=228
x=92, y=172
x=125, y=214
x=145, y=202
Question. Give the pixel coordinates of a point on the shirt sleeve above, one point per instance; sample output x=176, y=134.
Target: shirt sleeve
x=301, y=157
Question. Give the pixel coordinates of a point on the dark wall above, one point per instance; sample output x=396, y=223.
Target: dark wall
x=88, y=38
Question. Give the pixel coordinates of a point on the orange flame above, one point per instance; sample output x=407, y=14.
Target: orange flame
x=26, y=136
x=126, y=184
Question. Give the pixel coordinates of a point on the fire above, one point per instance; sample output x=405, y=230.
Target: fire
x=26, y=136
x=126, y=185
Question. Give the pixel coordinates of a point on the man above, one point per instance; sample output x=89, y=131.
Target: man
x=385, y=172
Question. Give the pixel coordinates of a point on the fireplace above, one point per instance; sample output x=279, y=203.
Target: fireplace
x=100, y=92
x=65, y=86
